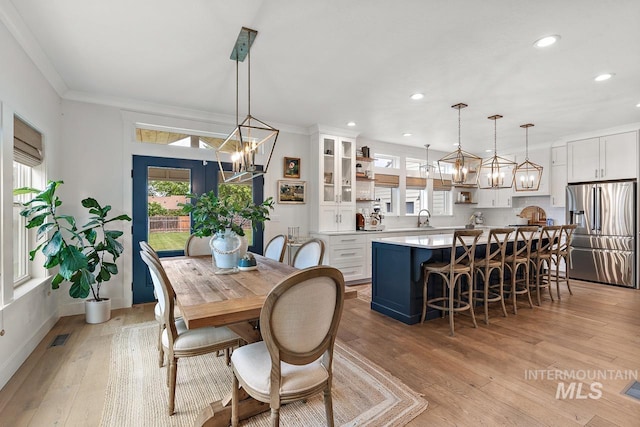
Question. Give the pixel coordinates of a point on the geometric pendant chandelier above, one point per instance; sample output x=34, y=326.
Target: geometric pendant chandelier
x=528, y=174
x=459, y=163
x=496, y=172
x=242, y=145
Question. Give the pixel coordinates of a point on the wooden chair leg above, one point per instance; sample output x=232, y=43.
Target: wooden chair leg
x=527, y=272
x=173, y=370
x=485, y=277
x=328, y=406
x=160, y=348
x=424, y=297
x=473, y=314
x=275, y=417
x=501, y=292
x=537, y=272
x=514, y=297
x=235, y=419
x=451, y=298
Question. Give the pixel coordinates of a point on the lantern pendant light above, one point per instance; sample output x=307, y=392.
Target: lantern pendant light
x=461, y=163
x=528, y=174
x=425, y=170
x=496, y=172
x=242, y=145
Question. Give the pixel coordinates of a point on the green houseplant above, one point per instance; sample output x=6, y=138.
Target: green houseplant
x=85, y=257
x=224, y=218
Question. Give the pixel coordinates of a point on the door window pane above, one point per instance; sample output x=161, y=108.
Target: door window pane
x=240, y=193
x=168, y=227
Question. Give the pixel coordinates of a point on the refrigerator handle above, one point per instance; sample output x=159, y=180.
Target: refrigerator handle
x=599, y=200
x=594, y=209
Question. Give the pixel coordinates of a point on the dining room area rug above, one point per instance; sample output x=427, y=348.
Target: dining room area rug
x=363, y=393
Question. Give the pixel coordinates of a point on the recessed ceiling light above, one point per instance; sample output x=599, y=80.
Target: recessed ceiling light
x=488, y=150
x=352, y=124
x=547, y=41
x=603, y=77
x=638, y=105
x=417, y=96
x=407, y=134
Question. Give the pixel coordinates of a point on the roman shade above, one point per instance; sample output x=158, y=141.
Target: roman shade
x=27, y=143
x=384, y=180
x=416, y=182
x=441, y=185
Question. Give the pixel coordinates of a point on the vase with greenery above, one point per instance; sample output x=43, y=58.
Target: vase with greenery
x=86, y=256
x=219, y=216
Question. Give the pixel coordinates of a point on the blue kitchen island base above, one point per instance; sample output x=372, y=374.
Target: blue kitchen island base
x=396, y=287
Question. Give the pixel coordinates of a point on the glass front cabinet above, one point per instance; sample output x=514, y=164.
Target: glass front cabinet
x=336, y=208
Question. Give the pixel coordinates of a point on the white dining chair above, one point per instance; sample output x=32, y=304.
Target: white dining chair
x=276, y=247
x=309, y=254
x=196, y=246
x=177, y=340
x=159, y=307
x=299, y=321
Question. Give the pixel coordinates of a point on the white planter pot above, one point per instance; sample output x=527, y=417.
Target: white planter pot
x=97, y=311
x=225, y=248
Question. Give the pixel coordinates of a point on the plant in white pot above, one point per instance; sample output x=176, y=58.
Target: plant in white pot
x=85, y=257
x=224, y=218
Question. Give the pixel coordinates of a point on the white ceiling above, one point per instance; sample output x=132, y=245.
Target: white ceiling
x=332, y=61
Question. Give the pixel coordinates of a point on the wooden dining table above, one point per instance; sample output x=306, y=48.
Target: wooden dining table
x=232, y=300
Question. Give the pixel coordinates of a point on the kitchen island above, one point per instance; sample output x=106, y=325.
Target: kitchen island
x=396, y=287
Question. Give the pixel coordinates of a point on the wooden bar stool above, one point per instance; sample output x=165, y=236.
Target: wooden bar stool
x=518, y=260
x=484, y=267
x=562, y=253
x=541, y=259
x=451, y=273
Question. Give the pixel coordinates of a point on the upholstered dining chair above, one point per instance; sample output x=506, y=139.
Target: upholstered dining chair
x=195, y=246
x=541, y=259
x=309, y=254
x=298, y=321
x=484, y=267
x=179, y=341
x=159, y=307
x=276, y=247
x=461, y=264
x=517, y=262
x=562, y=253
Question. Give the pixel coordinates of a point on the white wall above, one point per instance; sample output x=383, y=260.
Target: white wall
x=29, y=313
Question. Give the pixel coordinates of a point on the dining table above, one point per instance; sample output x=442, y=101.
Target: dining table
x=206, y=297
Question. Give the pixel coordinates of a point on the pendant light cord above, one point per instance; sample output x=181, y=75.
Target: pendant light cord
x=526, y=143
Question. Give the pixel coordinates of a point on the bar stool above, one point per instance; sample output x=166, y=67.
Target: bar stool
x=484, y=267
x=541, y=258
x=562, y=253
x=518, y=260
x=451, y=274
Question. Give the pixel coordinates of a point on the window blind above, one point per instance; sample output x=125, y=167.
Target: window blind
x=384, y=180
x=441, y=185
x=27, y=144
x=417, y=183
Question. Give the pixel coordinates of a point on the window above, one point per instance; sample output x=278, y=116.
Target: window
x=442, y=203
x=177, y=138
x=27, y=154
x=415, y=200
x=21, y=178
x=386, y=161
x=387, y=197
x=413, y=166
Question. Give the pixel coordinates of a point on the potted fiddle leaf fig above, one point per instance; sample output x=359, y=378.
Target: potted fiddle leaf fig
x=224, y=218
x=86, y=256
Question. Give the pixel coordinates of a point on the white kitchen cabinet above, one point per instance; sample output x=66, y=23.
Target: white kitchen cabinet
x=559, y=156
x=558, y=185
x=334, y=208
x=494, y=198
x=604, y=158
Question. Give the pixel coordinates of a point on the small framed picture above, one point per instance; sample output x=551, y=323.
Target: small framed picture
x=291, y=167
x=292, y=191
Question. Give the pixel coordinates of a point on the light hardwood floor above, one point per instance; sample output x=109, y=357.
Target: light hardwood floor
x=476, y=378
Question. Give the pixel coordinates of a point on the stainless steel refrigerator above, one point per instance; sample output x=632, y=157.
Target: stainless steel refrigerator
x=603, y=246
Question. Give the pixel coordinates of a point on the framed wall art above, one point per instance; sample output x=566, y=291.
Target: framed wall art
x=291, y=167
x=292, y=192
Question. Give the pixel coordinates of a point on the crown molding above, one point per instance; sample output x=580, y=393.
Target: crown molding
x=16, y=26
x=318, y=128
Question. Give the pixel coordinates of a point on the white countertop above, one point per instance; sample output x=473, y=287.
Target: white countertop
x=431, y=241
x=432, y=230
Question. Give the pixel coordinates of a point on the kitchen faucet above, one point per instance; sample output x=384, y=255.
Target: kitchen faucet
x=424, y=223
